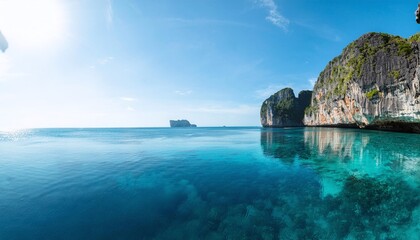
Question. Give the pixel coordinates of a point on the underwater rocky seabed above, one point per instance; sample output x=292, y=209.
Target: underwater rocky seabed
x=209, y=183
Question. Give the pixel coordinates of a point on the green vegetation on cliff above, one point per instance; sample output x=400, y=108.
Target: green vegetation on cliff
x=395, y=74
x=372, y=93
x=310, y=109
x=372, y=83
x=284, y=106
x=283, y=109
x=359, y=57
x=414, y=38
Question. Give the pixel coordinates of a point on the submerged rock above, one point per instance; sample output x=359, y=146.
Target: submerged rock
x=368, y=207
x=181, y=123
x=374, y=83
x=283, y=109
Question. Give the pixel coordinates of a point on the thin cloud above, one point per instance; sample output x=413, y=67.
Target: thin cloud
x=274, y=15
x=105, y=60
x=128, y=99
x=183, y=93
x=109, y=13
x=312, y=81
x=130, y=109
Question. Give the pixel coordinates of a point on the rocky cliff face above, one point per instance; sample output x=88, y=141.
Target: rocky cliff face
x=374, y=83
x=283, y=109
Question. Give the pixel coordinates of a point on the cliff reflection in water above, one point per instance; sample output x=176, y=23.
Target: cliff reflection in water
x=370, y=180
x=284, y=144
x=336, y=142
x=337, y=153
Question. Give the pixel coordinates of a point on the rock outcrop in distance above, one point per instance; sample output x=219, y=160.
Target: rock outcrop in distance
x=181, y=123
x=373, y=84
x=283, y=109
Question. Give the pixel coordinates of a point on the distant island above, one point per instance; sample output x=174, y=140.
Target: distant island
x=181, y=123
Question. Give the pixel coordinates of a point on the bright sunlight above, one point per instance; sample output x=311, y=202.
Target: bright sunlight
x=31, y=24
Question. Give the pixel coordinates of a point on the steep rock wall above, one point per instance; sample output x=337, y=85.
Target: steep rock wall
x=374, y=83
x=283, y=109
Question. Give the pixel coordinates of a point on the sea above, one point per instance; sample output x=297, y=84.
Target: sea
x=209, y=183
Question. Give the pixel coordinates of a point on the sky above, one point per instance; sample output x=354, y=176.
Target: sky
x=140, y=63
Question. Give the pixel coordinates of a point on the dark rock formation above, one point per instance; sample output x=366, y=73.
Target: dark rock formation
x=3, y=43
x=374, y=83
x=417, y=13
x=283, y=109
x=181, y=123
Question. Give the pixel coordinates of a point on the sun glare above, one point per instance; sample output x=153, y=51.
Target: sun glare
x=29, y=23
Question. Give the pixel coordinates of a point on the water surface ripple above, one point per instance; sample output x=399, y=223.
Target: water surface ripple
x=209, y=183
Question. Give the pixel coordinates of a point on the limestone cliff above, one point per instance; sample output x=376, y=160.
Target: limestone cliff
x=283, y=109
x=374, y=83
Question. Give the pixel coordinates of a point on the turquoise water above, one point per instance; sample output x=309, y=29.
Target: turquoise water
x=209, y=183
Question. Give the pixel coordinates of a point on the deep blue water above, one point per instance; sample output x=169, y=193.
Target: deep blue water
x=209, y=183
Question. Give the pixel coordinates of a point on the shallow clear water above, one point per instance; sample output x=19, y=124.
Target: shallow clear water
x=209, y=183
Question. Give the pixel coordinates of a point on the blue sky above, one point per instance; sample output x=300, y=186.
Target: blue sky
x=139, y=63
